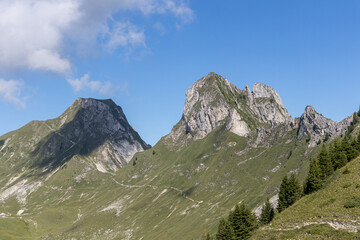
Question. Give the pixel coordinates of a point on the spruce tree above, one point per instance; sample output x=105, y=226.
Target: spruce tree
x=290, y=192
x=282, y=203
x=325, y=164
x=206, y=236
x=313, y=180
x=350, y=151
x=341, y=160
x=354, y=152
x=243, y=221
x=267, y=213
x=332, y=154
x=327, y=136
x=225, y=231
x=355, y=119
x=346, y=147
x=294, y=190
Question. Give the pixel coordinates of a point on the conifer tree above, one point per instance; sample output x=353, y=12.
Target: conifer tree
x=290, y=192
x=332, y=154
x=327, y=136
x=346, y=148
x=294, y=190
x=354, y=143
x=349, y=150
x=267, y=213
x=282, y=203
x=334, y=151
x=243, y=221
x=206, y=236
x=341, y=160
x=225, y=231
x=313, y=180
x=355, y=119
x=354, y=152
x=325, y=164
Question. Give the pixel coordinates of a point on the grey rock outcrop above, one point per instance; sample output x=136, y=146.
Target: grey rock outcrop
x=96, y=129
x=213, y=101
x=267, y=105
x=316, y=126
x=205, y=108
x=236, y=125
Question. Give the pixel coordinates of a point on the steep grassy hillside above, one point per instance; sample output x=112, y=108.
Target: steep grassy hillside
x=160, y=194
x=331, y=213
x=200, y=183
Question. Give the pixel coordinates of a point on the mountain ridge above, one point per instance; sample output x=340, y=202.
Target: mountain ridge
x=194, y=175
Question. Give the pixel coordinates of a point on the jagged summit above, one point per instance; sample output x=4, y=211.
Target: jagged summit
x=87, y=103
x=267, y=104
x=213, y=101
x=316, y=126
x=95, y=129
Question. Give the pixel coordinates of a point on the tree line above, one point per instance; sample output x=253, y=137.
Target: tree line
x=242, y=222
x=332, y=157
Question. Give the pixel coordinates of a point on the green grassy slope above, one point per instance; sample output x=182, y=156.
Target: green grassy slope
x=167, y=192
x=164, y=195
x=331, y=213
x=13, y=228
x=210, y=176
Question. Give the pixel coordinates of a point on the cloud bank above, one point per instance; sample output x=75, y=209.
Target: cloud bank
x=44, y=35
x=36, y=33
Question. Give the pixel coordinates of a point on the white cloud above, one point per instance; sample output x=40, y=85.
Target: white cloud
x=32, y=33
x=35, y=34
x=10, y=91
x=85, y=84
x=124, y=34
x=42, y=35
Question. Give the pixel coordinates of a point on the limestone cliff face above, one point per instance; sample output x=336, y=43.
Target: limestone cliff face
x=206, y=108
x=267, y=105
x=316, y=126
x=213, y=101
x=96, y=130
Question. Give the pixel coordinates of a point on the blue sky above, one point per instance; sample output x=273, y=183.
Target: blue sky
x=145, y=54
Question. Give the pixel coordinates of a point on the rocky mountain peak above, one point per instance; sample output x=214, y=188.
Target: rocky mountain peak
x=310, y=110
x=213, y=101
x=263, y=91
x=205, y=105
x=266, y=103
x=316, y=126
x=94, y=128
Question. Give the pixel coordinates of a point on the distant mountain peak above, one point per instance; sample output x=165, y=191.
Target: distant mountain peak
x=92, y=128
x=310, y=109
x=266, y=103
x=316, y=126
x=263, y=91
x=213, y=101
